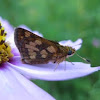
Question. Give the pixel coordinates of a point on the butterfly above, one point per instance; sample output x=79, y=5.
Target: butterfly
x=37, y=50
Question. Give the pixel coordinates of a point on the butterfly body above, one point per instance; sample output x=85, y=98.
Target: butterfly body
x=37, y=50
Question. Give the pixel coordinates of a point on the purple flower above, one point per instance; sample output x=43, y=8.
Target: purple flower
x=14, y=86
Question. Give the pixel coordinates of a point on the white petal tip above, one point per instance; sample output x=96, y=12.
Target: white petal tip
x=77, y=44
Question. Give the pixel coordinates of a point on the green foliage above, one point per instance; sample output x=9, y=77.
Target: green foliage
x=61, y=20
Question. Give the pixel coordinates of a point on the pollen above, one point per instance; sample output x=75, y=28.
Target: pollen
x=5, y=49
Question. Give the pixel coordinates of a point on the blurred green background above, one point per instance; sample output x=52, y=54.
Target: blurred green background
x=63, y=20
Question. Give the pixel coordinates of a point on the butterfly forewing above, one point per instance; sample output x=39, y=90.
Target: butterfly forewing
x=34, y=49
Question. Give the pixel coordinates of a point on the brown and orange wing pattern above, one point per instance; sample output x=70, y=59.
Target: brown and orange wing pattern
x=35, y=49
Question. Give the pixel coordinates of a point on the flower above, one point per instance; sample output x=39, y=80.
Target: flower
x=15, y=86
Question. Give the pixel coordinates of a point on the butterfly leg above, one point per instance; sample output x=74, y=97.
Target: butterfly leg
x=56, y=66
x=65, y=66
x=70, y=61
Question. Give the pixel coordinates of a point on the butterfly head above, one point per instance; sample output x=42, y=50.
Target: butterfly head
x=70, y=51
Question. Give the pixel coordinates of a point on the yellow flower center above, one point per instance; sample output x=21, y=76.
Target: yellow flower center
x=5, y=49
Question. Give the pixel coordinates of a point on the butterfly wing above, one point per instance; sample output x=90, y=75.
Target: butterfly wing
x=34, y=49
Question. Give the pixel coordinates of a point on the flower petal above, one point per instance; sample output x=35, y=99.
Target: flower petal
x=46, y=71
x=13, y=86
x=8, y=28
x=10, y=35
x=15, y=52
x=77, y=44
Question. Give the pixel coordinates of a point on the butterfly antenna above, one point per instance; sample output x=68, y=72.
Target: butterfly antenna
x=83, y=58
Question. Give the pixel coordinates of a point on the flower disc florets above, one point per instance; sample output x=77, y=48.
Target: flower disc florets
x=5, y=49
